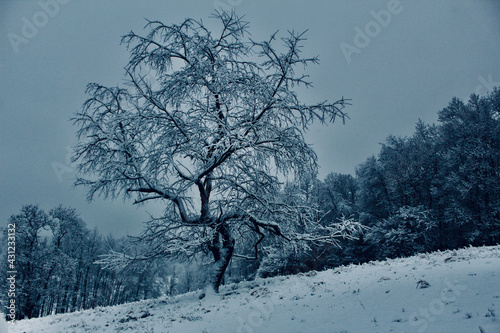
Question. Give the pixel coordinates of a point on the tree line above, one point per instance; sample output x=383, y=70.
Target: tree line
x=437, y=189
x=56, y=271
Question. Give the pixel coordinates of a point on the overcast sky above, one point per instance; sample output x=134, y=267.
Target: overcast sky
x=397, y=61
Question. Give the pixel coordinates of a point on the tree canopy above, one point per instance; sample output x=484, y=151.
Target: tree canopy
x=211, y=124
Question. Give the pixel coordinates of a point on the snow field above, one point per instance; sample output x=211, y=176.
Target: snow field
x=451, y=291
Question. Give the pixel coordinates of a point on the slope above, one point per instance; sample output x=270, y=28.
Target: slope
x=451, y=291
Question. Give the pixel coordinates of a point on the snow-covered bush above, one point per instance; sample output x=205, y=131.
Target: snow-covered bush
x=411, y=230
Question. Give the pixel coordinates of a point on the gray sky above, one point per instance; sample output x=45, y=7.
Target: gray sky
x=402, y=67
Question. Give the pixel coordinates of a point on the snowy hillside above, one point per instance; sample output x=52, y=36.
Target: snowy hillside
x=452, y=291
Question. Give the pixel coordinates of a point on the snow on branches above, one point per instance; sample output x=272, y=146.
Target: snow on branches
x=209, y=124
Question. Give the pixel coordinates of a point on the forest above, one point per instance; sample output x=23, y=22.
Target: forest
x=437, y=189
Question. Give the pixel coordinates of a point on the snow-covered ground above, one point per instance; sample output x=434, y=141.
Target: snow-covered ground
x=452, y=291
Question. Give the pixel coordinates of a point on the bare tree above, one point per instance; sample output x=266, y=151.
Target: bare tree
x=209, y=124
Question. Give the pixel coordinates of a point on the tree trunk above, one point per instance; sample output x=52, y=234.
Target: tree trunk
x=222, y=249
x=84, y=291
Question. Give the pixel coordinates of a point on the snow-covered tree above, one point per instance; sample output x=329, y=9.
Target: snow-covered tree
x=210, y=124
x=410, y=230
x=33, y=272
x=471, y=179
